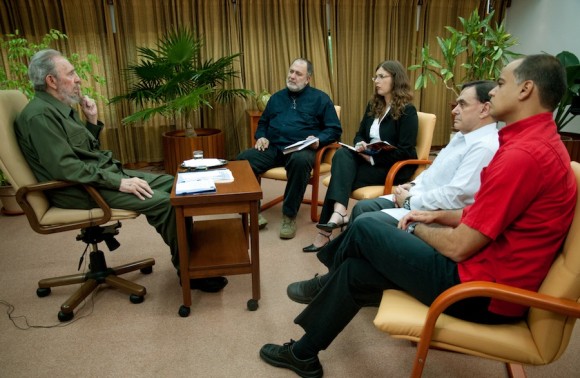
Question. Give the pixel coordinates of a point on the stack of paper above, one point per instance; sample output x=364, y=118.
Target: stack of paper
x=219, y=176
x=201, y=182
x=195, y=187
x=203, y=163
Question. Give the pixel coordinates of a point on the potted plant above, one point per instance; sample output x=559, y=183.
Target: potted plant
x=174, y=81
x=14, y=75
x=477, y=52
x=569, y=106
x=8, y=197
x=19, y=50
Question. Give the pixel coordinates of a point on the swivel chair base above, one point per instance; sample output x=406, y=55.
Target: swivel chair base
x=98, y=274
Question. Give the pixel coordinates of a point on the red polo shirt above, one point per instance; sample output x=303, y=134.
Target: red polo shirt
x=525, y=206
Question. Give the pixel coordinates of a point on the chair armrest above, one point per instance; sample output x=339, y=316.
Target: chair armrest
x=562, y=306
x=22, y=199
x=390, y=179
x=320, y=155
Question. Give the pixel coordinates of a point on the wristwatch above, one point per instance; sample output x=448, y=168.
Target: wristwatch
x=407, y=203
x=411, y=227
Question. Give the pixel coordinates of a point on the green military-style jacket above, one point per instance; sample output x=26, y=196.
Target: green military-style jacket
x=58, y=146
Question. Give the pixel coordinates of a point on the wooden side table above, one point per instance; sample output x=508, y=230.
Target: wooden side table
x=220, y=246
x=254, y=118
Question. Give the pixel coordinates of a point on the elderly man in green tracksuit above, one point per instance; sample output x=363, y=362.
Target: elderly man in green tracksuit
x=58, y=146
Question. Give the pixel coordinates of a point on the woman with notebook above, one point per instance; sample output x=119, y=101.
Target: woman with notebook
x=389, y=117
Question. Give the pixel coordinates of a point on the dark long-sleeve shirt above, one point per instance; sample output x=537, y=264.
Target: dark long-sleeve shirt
x=293, y=116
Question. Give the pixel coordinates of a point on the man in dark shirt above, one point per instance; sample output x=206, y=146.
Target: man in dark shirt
x=58, y=146
x=292, y=114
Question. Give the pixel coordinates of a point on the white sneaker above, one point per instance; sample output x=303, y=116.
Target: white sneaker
x=288, y=229
x=262, y=222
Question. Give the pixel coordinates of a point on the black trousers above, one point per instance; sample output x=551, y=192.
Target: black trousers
x=372, y=256
x=349, y=172
x=298, y=167
x=375, y=204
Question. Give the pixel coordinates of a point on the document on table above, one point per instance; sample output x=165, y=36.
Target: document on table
x=203, y=163
x=201, y=182
x=219, y=176
x=194, y=186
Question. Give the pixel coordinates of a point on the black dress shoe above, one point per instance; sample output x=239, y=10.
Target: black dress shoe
x=282, y=356
x=304, y=291
x=313, y=248
x=331, y=226
x=208, y=285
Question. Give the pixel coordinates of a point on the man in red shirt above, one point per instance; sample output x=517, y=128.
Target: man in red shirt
x=510, y=234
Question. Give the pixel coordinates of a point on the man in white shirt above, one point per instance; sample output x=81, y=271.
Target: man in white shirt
x=454, y=177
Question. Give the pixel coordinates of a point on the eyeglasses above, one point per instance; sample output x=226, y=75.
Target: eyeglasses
x=380, y=77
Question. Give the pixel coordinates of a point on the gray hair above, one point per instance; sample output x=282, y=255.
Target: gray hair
x=41, y=65
x=309, y=66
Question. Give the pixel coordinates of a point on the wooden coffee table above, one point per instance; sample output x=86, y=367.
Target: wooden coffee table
x=220, y=247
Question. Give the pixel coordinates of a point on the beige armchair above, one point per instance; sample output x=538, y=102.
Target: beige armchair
x=321, y=167
x=539, y=339
x=47, y=219
x=427, y=123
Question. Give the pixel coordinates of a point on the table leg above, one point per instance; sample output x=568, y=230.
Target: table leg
x=183, y=246
x=255, y=250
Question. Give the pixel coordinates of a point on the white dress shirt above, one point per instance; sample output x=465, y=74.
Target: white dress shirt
x=454, y=177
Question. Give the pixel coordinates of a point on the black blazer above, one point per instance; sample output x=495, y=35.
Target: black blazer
x=401, y=133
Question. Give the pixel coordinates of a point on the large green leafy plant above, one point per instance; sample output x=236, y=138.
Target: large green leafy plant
x=174, y=81
x=19, y=50
x=569, y=106
x=480, y=49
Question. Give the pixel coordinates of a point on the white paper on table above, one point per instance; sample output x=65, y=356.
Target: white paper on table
x=184, y=186
x=219, y=176
x=196, y=163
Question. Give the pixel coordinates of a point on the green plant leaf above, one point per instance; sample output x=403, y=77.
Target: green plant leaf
x=173, y=80
x=476, y=50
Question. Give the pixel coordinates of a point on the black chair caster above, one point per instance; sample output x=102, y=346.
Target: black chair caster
x=43, y=291
x=65, y=316
x=184, y=311
x=136, y=298
x=252, y=305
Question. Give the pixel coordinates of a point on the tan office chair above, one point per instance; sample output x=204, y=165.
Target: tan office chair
x=539, y=339
x=321, y=167
x=424, y=138
x=47, y=219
